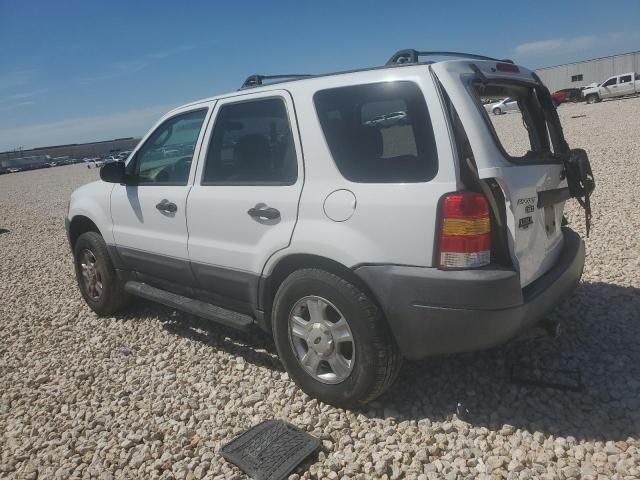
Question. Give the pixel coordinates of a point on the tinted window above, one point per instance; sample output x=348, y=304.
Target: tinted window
x=379, y=133
x=625, y=79
x=165, y=158
x=611, y=81
x=251, y=144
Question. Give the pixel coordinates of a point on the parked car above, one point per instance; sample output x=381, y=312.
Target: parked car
x=616, y=86
x=503, y=106
x=353, y=246
x=123, y=155
x=92, y=162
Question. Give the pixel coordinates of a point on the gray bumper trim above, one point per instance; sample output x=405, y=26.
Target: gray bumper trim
x=433, y=312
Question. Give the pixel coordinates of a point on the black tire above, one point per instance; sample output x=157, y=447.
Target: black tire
x=497, y=111
x=377, y=359
x=555, y=103
x=593, y=98
x=112, y=296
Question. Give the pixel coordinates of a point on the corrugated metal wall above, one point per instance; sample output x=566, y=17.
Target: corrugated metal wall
x=597, y=70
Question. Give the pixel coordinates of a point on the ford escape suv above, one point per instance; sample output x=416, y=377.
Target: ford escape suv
x=359, y=217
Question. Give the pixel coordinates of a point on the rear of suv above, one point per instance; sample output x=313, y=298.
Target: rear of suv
x=360, y=217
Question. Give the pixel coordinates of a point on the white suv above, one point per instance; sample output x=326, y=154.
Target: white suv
x=355, y=243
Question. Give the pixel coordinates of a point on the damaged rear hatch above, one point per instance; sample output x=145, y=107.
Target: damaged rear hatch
x=524, y=152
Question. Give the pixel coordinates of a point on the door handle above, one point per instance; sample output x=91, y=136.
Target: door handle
x=167, y=206
x=266, y=212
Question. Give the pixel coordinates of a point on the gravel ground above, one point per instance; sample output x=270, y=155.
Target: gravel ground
x=155, y=393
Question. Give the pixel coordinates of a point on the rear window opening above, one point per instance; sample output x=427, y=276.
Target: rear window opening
x=379, y=133
x=517, y=119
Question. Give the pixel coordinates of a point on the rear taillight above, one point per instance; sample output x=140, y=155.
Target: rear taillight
x=465, y=231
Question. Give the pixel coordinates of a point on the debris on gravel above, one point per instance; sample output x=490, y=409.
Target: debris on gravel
x=154, y=393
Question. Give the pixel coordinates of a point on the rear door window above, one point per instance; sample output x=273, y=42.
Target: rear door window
x=252, y=144
x=379, y=133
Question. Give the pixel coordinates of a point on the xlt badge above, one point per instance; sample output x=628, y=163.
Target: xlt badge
x=524, y=222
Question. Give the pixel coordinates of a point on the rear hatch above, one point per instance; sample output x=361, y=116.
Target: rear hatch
x=518, y=150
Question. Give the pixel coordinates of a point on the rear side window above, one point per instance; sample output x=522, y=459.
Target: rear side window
x=251, y=144
x=379, y=133
x=625, y=79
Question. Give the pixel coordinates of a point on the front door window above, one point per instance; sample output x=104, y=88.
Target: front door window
x=166, y=156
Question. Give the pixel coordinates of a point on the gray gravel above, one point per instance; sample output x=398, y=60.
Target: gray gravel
x=154, y=393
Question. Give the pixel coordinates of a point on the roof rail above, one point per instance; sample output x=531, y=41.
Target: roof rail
x=411, y=56
x=256, y=80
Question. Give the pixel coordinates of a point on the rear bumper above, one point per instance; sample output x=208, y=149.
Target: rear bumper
x=432, y=311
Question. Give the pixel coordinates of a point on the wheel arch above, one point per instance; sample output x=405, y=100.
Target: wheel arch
x=285, y=266
x=80, y=224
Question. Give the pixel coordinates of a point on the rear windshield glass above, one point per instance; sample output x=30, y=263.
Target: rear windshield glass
x=517, y=119
x=379, y=133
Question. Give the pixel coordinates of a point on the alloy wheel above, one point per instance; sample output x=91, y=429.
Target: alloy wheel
x=91, y=275
x=321, y=339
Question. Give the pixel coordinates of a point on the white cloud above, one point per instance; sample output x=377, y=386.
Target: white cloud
x=586, y=44
x=79, y=130
x=129, y=67
x=557, y=45
x=15, y=78
x=15, y=106
x=23, y=95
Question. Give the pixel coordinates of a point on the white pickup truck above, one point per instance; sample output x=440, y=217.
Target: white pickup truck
x=616, y=86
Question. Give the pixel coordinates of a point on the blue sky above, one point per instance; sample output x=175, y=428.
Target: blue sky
x=76, y=71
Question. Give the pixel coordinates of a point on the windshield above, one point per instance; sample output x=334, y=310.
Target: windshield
x=522, y=132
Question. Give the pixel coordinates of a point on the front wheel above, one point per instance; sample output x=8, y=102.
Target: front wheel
x=97, y=279
x=497, y=111
x=333, y=339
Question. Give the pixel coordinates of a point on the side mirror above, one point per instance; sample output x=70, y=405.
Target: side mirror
x=113, y=172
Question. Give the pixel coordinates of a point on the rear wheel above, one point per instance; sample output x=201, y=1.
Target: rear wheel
x=497, y=111
x=593, y=98
x=332, y=339
x=96, y=276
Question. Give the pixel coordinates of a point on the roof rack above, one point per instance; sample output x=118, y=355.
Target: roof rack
x=411, y=56
x=256, y=80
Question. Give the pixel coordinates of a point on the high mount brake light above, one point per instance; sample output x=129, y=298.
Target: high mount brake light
x=465, y=231
x=507, y=67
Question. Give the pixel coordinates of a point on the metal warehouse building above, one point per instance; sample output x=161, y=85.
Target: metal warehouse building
x=580, y=74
